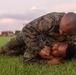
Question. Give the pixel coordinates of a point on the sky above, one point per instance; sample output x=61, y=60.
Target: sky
x=14, y=14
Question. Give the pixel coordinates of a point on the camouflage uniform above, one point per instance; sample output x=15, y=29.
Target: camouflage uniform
x=35, y=35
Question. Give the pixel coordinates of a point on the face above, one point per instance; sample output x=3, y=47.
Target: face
x=67, y=29
x=63, y=31
x=59, y=49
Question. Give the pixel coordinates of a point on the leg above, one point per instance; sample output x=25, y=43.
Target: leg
x=15, y=45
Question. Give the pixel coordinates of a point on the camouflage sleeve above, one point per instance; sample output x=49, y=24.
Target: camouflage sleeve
x=35, y=31
x=36, y=59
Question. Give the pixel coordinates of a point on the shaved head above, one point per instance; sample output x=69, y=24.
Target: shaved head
x=69, y=19
x=68, y=23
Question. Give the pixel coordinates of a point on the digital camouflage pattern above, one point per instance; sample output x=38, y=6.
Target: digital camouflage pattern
x=35, y=35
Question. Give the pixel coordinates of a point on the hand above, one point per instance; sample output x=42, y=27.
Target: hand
x=54, y=61
x=45, y=52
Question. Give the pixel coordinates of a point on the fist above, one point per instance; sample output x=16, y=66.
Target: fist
x=45, y=52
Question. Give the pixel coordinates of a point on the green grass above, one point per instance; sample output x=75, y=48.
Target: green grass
x=11, y=65
x=4, y=39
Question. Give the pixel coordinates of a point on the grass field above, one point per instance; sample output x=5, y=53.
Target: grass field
x=11, y=65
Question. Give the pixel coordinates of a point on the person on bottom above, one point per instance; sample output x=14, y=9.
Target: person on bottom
x=59, y=52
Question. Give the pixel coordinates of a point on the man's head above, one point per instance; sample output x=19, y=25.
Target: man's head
x=63, y=50
x=68, y=24
x=59, y=49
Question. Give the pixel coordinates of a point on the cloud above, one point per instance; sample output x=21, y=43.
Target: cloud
x=31, y=14
x=10, y=21
x=33, y=8
x=36, y=11
x=12, y=24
